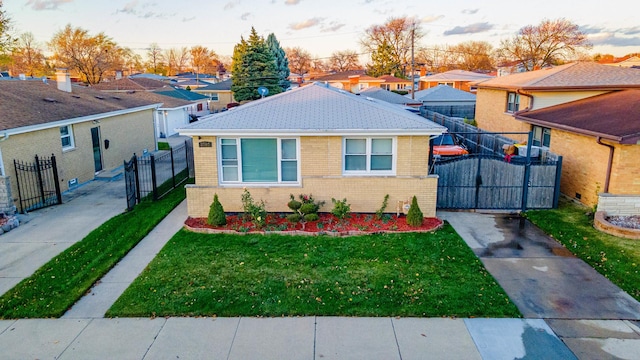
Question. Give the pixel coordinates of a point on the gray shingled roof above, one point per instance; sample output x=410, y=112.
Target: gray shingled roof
x=388, y=96
x=315, y=109
x=223, y=85
x=456, y=75
x=580, y=75
x=30, y=103
x=443, y=93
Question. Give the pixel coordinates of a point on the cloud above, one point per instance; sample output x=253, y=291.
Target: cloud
x=588, y=29
x=188, y=19
x=630, y=31
x=231, y=4
x=612, y=40
x=292, y=2
x=129, y=8
x=306, y=24
x=332, y=27
x=470, y=11
x=245, y=16
x=46, y=4
x=431, y=18
x=469, y=29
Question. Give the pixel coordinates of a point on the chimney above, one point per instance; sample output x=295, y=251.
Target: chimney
x=423, y=71
x=118, y=74
x=64, y=80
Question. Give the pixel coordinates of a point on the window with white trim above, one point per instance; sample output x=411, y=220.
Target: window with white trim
x=66, y=137
x=214, y=97
x=368, y=155
x=513, y=102
x=541, y=136
x=258, y=160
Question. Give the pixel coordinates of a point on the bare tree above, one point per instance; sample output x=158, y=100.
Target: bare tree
x=400, y=34
x=27, y=57
x=90, y=56
x=299, y=60
x=550, y=43
x=155, y=57
x=436, y=59
x=473, y=55
x=344, y=61
x=203, y=59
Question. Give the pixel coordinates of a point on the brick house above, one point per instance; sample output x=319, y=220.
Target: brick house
x=391, y=83
x=219, y=95
x=547, y=102
x=353, y=81
x=457, y=79
x=87, y=130
x=312, y=140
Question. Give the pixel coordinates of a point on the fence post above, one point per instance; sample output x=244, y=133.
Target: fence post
x=153, y=177
x=54, y=165
x=527, y=174
x=186, y=157
x=40, y=184
x=173, y=171
x=556, y=189
x=137, y=176
x=15, y=167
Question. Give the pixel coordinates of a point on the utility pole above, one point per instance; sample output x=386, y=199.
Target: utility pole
x=413, y=60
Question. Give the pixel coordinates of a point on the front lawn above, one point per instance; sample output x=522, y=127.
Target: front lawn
x=414, y=274
x=616, y=258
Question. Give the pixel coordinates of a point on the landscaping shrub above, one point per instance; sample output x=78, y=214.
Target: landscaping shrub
x=254, y=212
x=385, y=203
x=341, y=208
x=306, y=209
x=414, y=216
x=217, y=216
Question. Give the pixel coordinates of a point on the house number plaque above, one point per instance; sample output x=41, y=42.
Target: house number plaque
x=204, y=144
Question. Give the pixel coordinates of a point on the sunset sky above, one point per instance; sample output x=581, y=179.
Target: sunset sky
x=319, y=26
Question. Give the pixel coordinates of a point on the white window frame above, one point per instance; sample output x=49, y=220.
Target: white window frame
x=539, y=137
x=214, y=96
x=72, y=143
x=368, y=171
x=515, y=104
x=240, y=182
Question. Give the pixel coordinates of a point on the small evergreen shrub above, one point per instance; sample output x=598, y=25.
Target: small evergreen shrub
x=341, y=208
x=414, y=216
x=385, y=203
x=216, y=216
x=311, y=217
x=294, y=218
x=304, y=209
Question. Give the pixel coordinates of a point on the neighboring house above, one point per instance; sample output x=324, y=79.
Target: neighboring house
x=219, y=95
x=457, y=79
x=633, y=61
x=88, y=131
x=391, y=83
x=150, y=76
x=390, y=97
x=599, y=138
x=190, y=84
x=314, y=140
x=447, y=101
x=178, y=104
x=504, y=104
x=353, y=81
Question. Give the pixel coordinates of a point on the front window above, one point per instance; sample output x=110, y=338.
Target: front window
x=368, y=155
x=66, y=137
x=258, y=160
x=513, y=102
x=214, y=97
x=541, y=136
x=385, y=86
x=446, y=83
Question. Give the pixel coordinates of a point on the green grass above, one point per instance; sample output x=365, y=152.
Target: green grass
x=616, y=258
x=163, y=145
x=416, y=274
x=56, y=286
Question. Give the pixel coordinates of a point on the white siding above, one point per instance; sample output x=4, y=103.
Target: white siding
x=547, y=99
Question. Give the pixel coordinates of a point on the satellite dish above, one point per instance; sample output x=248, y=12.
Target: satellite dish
x=263, y=91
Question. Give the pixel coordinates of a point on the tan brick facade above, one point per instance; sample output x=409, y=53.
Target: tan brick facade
x=127, y=134
x=491, y=113
x=321, y=169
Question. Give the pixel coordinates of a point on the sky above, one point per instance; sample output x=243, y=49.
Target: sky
x=319, y=26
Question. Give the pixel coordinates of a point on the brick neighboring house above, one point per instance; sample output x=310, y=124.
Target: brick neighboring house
x=353, y=81
x=391, y=83
x=219, y=95
x=457, y=79
x=517, y=102
x=87, y=130
x=312, y=140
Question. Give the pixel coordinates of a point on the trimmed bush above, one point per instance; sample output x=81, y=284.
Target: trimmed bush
x=217, y=216
x=341, y=208
x=311, y=217
x=294, y=218
x=415, y=216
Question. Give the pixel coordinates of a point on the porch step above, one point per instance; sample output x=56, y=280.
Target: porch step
x=110, y=174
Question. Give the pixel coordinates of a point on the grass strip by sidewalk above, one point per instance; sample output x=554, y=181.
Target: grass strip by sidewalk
x=618, y=259
x=411, y=274
x=57, y=285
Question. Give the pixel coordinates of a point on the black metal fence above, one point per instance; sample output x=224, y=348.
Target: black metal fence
x=37, y=183
x=152, y=176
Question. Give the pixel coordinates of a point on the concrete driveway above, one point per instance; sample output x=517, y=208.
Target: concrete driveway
x=540, y=275
x=47, y=232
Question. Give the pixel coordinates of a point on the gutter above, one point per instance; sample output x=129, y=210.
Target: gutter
x=528, y=108
x=609, y=164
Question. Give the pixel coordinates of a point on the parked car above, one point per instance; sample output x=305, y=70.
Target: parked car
x=446, y=145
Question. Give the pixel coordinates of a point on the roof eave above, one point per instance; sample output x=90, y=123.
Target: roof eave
x=315, y=132
x=617, y=139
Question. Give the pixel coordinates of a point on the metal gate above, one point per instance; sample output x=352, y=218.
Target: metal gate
x=37, y=183
x=489, y=182
x=131, y=182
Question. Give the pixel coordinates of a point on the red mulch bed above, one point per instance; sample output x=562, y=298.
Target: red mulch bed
x=328, y=223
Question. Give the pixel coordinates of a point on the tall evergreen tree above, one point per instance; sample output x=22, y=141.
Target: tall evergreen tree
x=382, y=62
x=253, y=66
x=282, y=62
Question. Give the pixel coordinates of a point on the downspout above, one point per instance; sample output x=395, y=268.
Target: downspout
x=609, y=164
x=528, y=108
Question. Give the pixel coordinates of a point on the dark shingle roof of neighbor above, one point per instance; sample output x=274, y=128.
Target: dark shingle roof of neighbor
x=125, y=84
x=25, y=103
x=388, y=96
x=223, y=85
x=612, y=116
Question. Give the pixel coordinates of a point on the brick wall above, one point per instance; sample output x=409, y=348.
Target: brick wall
x=6, y=201
x=623, y=205
x=625, y=175
x=321, y=168
x=491, y=114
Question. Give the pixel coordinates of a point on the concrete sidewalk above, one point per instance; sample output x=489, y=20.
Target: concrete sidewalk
x=47, y=232
x=284, y=338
